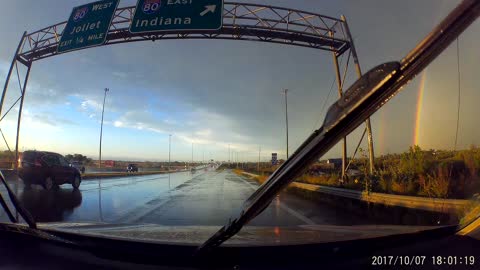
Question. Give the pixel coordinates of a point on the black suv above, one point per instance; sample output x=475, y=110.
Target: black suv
x=132, y=168
x=47, y=169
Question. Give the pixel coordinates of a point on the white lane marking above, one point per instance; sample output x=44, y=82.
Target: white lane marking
x=286, y=208
x=134, y=215
x=297, y=214
x=141, y=211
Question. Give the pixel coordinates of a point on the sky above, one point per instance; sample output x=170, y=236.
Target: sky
x=218, y=94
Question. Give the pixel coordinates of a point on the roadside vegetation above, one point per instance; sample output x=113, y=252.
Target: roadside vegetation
x=79, y=158
x=7, y=160
x=416, y=172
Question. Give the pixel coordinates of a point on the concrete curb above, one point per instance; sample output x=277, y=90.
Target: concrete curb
x=429, y=204
x=88, y=176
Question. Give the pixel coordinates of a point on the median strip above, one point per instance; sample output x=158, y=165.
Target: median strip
x=89, y=176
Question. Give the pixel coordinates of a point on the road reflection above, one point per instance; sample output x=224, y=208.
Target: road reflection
x=51, y=206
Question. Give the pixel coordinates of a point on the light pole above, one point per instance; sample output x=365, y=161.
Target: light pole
x=285, y=91
x=169, y=151
x=101, y=130
x=258, y=164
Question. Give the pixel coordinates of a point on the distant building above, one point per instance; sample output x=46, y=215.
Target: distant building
x=109, y=163
x=323, y=166
x=337, y=162
x=105, y=163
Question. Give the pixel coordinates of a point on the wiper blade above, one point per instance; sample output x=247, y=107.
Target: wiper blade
x=18, y=206
x=359, y=102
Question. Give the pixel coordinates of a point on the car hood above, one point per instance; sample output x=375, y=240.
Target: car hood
x=248, y=236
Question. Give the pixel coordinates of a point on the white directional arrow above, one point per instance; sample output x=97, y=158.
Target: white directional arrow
x=209, y=8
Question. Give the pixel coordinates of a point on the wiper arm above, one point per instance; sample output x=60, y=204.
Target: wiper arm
x=18, y=206
x=359, y=102
x=5, y=207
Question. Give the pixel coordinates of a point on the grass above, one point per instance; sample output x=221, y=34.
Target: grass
x=416, y=172
x=326, y=180
x=237, y=171
x=260, y=179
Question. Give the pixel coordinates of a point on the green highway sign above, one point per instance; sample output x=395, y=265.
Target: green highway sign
x=87, y=26
x=169, y=15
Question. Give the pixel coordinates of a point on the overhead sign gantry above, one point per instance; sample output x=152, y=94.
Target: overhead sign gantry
x=103, y=23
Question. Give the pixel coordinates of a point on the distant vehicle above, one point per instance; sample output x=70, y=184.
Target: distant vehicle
x=47, y=169
x=132, y=168
x=354, y=172
x=193, y=169
x=79, y=166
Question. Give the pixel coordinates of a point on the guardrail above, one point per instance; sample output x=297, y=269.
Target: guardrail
x=428, y=204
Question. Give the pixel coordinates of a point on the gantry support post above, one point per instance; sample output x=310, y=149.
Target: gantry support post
x=340, y=94
x=371, y=154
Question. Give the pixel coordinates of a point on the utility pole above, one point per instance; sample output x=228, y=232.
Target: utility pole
x=228, y=154
x=285, y=91
x=191, y=164
x=242, y=160
x=101, y=130
x=169, y=151
x=258, y=164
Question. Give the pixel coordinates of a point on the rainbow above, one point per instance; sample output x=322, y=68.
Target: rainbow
x=418, y=113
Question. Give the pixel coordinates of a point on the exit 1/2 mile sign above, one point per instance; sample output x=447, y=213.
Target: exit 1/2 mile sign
x=88, y=26
x=167, y=15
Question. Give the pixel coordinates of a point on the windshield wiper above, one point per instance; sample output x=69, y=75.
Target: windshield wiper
x=18, y=206
x=360, y=101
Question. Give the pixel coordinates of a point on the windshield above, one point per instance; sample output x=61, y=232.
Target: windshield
x=176, y=134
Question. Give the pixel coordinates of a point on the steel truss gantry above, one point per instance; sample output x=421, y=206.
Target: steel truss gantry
x=241, y=21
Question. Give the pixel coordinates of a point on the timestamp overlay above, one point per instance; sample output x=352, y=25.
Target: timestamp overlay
x=422, y=260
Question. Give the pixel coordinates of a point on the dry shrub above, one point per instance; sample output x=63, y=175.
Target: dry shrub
x=436, y=184
x=237, y=171
x=399, y=187
x=324, y=180
x=261, y=178
x=385, y=181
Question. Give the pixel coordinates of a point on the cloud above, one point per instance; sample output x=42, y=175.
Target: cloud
x=47, y=119
x=205, y=128
x=205, y=92
x=4, y=66
x=204, y=133
x=120, y=74
x=88, y=105
x=39, y=119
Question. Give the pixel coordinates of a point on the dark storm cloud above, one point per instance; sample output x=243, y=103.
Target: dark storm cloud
x=229, y=91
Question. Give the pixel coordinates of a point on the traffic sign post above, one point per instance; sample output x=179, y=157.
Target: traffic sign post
x=87, y=26
x=274, y=159
x=168, y=15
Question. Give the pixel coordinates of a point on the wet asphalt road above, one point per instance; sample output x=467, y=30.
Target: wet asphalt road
x=201, y=198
